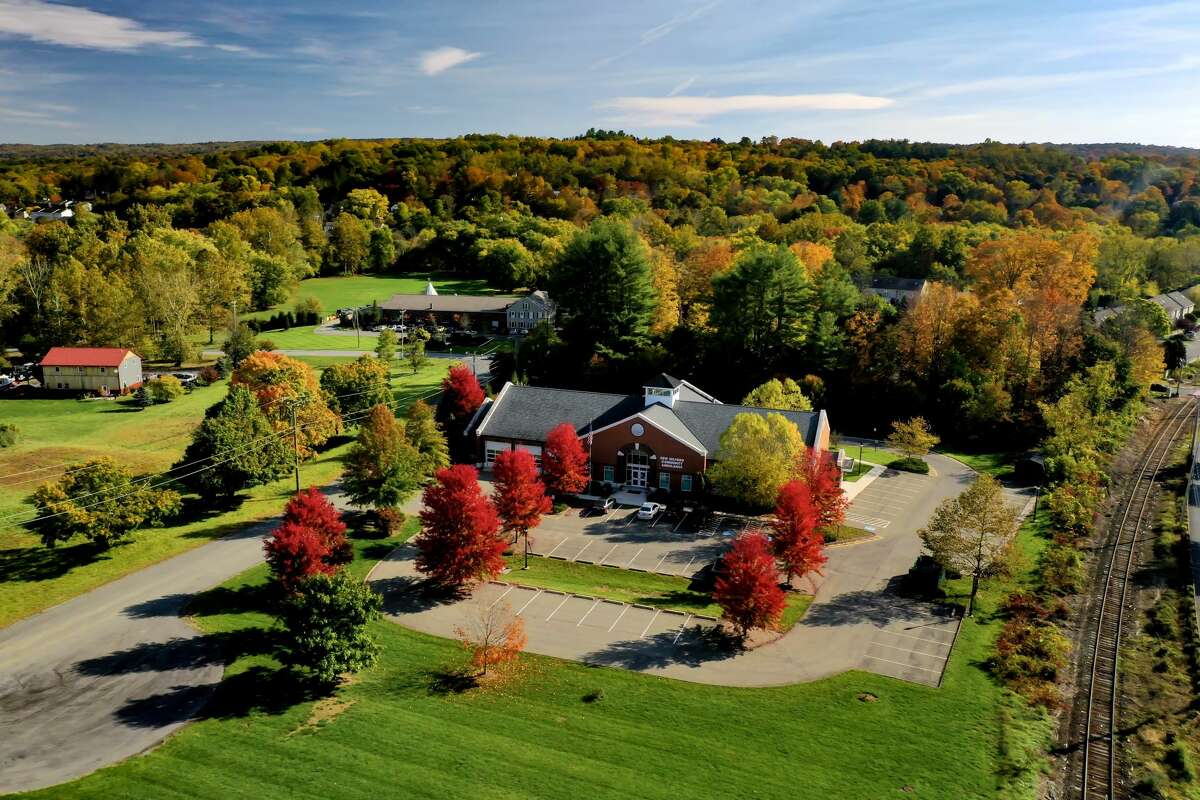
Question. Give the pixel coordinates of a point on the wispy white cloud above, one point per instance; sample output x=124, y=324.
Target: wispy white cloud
x=659, y=31
x=1034, y=82
x=689, y=110
x=435, y=62
x=682, y=86
x=72, y=26
x=427, y=109
x=37, y=114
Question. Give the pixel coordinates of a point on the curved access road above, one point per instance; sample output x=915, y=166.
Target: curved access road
x=856, y=620
x=112, y=672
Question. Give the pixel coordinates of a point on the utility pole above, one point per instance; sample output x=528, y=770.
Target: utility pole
x=357, y=331
x=292, y=405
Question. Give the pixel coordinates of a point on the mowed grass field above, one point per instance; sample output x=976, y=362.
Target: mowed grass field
x=33, y=578
x=402, y=730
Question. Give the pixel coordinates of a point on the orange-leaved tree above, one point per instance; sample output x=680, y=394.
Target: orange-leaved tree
x=520, y=496
x=748, y=586
x=459, y=539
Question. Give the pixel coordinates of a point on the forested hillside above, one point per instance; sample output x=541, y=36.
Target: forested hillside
x=723, y=262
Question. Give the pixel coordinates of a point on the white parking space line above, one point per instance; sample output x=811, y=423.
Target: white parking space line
x=618, y=619
x=908, y=650
x=659, y=564
x=503, y=595
x=530, y=600
x=586, y=545
x=566, y=597
x=635, y=555
x=606, y=555
x=657, y=611
x=685, y=567
x=677, y=524
x=632, y=517
x=918, y=638
x=552, y=549
x=903, y=664
x=682, y=628
x=589, y=611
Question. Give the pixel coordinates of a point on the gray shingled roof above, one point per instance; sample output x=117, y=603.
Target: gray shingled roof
x=709, y=420
x=1182, y=299
x=897, y=284
x=449, y=303
x=530, y=412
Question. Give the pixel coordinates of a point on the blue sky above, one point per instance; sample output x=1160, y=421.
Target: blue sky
x=174, y=71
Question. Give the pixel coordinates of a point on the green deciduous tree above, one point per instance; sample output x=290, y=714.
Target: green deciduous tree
x=423, y=432
x=758, y=454
x=324, y=626
x=385, y=345
x=100, y=501
x=782, y=394
x=383, y=469
x=971, y=534
x=357, y=385
x=912, y=438
x=233, y=448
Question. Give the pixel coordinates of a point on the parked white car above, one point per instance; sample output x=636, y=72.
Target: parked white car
x=649, y=510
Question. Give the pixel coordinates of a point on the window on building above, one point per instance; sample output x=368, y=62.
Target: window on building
x=685, y=483
x=609, y=473
x=664, y=480
x=489, y=455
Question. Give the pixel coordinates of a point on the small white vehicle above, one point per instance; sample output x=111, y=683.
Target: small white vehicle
x=649, y=510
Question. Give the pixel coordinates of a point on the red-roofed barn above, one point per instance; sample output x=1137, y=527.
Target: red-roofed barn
x=113, y=370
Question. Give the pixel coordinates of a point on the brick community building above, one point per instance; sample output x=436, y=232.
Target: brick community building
x=112, y=370
x=663, y=438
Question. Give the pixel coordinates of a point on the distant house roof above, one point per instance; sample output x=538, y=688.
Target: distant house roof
x=1182, y=299
x=894, y=284
x=85, y=357
x=530, y=412
x=495, y=304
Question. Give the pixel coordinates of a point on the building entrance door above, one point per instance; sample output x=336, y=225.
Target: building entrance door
x=637, y=469
x=637, y=476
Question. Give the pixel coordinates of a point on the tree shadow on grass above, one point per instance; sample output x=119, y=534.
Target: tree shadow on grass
x=37, y=563
x=258, y=690
x=695, y=648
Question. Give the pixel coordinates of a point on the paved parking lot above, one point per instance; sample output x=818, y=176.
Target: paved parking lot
x=916, y=647
x=889, y=495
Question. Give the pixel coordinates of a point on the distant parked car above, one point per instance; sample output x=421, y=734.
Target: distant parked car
x=6, y=381
x=649, y=510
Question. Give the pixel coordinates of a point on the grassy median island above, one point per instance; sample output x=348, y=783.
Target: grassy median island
x=668, y=592
x=402, y=734
x=34, y=578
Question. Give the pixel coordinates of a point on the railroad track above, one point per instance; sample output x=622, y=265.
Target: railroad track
x=1096, y=777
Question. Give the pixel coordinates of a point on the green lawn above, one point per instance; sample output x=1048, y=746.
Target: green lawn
x=998, y=465
x=623, y=585
x=404, y=732
x=33, y=578
x=359, y=290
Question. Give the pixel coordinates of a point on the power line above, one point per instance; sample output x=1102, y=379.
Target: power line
x=352, y=417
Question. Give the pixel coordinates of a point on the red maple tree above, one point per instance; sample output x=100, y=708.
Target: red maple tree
x=798, y=541
x=311, y=509
x=748, y=586
x=461, y=393
x=459, y=539
x=564, y=461
x=819, y=470
x=295, y=552
x=520, y=496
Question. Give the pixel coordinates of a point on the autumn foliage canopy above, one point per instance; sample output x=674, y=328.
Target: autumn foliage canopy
x=797, y=540
x=461, y=393
x=520, y=496
x=459, y=539
x=748, y=587
x=564, y=461
x=311, y=540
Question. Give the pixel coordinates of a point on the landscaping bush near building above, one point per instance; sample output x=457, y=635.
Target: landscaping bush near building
x=164, y=389
x=910, y=465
